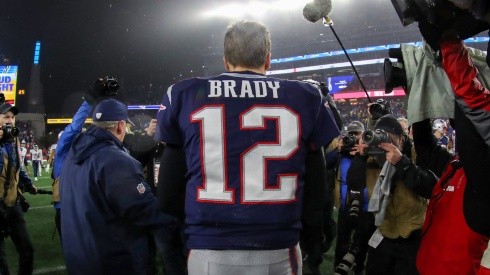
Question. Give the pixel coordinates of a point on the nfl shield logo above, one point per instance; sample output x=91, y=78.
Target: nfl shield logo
x=141, y=188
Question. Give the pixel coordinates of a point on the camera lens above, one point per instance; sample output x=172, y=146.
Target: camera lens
x=15, y=131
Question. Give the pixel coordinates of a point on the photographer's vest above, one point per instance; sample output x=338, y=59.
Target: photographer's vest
x=447, y=236
x=405, y=211
x=56, y=190
x=8, y=188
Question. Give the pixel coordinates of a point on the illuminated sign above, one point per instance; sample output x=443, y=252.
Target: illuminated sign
x=89, y=120
x=37, y=52
x=360, y=94
x=336, y=84
x=8, y=82
x=64, y=120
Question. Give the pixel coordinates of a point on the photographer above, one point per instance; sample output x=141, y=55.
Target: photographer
x=355, y=225
x=13, y=179
x=399, y=212
x=457, y=218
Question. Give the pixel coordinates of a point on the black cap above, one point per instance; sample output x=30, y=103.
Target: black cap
x=5, y=107
x=355, y=126
x=389, y=124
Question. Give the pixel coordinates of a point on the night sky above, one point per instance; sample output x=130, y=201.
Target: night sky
x=150, y=41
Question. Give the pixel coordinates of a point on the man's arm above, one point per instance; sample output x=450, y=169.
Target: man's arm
x=172, y=181
x=420, y=181
x=25, y=183
x=66, y=138
x=472, y=116
x=429, y=155
x=313, y=204
x=130, y=196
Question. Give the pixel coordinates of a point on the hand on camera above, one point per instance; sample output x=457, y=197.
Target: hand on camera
x=360, y=149
x=393, y=154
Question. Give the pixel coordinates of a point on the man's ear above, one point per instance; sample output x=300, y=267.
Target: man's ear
x=268, y=62
x=226, y=65
x=120, y=127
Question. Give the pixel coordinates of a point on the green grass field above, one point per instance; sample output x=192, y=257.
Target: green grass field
x=48, y=258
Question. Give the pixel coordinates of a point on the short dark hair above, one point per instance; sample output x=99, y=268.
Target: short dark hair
x=247, y=44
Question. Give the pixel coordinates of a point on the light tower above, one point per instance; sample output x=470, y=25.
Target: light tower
x=35, y=102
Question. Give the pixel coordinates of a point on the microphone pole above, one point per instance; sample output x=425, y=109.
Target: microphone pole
x=329, y=23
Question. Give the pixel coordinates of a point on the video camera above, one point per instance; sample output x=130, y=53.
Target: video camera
x=435, y=16
x=373, y=139
x=102, y=88
x=106, y=86
x=379, y=108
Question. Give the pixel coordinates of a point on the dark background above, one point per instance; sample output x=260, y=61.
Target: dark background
x=153, y=43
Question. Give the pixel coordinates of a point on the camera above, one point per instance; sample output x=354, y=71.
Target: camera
x=379, y=108
x=348, y=141
x=373, y=139
x=106, y=86
x=347, y=262
x=9, y=131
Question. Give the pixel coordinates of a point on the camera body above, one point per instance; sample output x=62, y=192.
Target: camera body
x=10, y=132
x=379, y=108
x=106, y=86
x=348, y=141
x=373, y=139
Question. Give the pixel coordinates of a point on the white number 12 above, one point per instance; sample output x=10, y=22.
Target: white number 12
x=253, y=161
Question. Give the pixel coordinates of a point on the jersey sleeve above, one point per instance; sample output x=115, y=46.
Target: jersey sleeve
x=325, y=128
x=168, y=129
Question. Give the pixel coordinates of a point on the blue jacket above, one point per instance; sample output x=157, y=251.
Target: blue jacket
x=107, y=207
x=66, y=139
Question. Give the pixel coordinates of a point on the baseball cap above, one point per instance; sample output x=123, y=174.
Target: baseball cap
x=355, y=126
x=5, y=107
x=110, y=110
x=389, y=124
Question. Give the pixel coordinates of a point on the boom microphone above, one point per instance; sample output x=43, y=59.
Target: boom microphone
x=317, y=10
x=320, y=9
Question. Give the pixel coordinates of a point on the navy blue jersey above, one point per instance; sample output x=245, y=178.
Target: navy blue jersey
x=245, y=137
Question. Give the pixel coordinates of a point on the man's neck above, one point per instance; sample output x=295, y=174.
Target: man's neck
x=243, y=69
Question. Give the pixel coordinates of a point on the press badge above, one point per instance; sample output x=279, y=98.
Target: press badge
x=376, y=239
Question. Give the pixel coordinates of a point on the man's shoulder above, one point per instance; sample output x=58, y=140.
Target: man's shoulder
x=188, y=83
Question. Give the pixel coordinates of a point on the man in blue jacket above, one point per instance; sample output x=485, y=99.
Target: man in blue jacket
x=107, y=207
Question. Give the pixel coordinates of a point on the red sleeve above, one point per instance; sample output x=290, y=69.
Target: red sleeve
x=470, y=95
x=463, y=76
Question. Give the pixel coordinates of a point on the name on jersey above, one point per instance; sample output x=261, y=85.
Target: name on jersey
x=247, y=89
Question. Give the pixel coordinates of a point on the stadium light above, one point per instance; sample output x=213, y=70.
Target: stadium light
x=253, y=8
